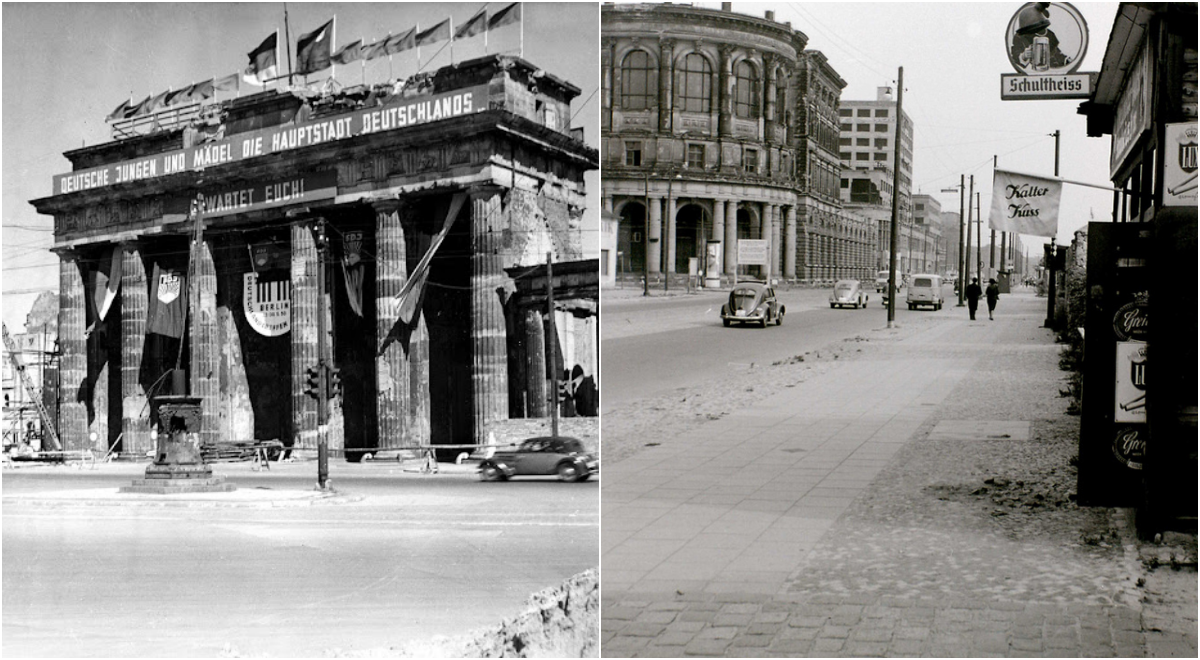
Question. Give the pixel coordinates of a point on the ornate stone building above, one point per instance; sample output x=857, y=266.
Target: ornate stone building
x=474, y=166
x=719, y=127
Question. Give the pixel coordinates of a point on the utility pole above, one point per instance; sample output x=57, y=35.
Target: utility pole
x=967, y=252
x=1051, y=286
x=553, y=339
x=961, y=262
x=891, y=315
x=978, y=242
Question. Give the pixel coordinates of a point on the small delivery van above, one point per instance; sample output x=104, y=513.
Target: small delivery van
x=925, y=290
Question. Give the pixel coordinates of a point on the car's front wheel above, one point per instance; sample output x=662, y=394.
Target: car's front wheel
x=567, y=472
x=489, y=472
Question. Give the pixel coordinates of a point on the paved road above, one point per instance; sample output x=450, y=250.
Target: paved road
x=682, y=337
x=400, y=557
x=849, y=514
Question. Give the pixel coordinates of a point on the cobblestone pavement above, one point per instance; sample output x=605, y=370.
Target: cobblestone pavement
x=915, y=498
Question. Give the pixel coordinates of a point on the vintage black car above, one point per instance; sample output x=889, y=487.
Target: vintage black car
x=546, y=455
x=752, y=302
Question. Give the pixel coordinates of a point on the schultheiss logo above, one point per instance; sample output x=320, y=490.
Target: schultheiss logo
x=1046, y=38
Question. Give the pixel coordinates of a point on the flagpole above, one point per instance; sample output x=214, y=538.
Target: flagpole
x=1062, y=180
x=287, y=38
x=332, y=47
x=362, y=67
x=451, y=42
x=416, y=34
x=521, y=52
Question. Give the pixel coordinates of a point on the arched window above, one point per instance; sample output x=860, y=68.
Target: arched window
x=639, y=81
x=746, y=91
x=693, y=84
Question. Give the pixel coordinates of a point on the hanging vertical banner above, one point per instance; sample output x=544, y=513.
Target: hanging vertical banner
x=108, y=281
x=353, y=268
x=168, y=302
x=268, y=305
x=1025, y=204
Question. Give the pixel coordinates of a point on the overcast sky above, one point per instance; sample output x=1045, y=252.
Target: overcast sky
x=66, y=66
x=953, y=54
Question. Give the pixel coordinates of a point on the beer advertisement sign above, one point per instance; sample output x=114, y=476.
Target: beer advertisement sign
x=1179, y=167
x=1046, y=38
x=1131, y=382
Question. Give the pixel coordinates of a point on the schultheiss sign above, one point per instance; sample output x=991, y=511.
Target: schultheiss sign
x=1045, y=43
x=397, y=113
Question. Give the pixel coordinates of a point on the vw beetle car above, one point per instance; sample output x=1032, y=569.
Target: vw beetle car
x=848, y=293
x=752, y=302
x=546, y=455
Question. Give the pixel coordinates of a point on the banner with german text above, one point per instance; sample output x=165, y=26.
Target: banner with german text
x=1025, y=204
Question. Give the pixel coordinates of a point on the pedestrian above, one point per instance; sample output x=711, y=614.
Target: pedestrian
x=993, y=294
x=973, y=293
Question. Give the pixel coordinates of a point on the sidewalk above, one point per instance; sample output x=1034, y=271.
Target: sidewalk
x=915, y=498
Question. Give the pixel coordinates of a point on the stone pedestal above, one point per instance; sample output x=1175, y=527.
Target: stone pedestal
x=178, y=465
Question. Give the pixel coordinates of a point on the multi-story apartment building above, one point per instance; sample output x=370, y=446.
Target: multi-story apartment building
x=867, y=150
x=925, y=250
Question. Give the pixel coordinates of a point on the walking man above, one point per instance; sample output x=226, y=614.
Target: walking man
x=993, y=294
x=973, y=293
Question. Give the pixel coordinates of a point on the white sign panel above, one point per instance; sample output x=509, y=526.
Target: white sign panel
x=268, y=305
x=1131, y=382
x=1179, y=169
x=752, y=252
x=1032, y=88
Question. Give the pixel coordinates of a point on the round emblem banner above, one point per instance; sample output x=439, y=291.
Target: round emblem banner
x=268, y=305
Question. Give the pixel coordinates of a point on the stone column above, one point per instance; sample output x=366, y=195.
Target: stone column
x=535, y=365
x=665, y=84
x=789, y=243
x=606, y=70
x=392, y=367
x=654, y=242
x=135, y=419
x=718, y=232
x=770, y=120
x=731, y=236
x=725, y=98
x=489, y=370
x=303, y=335
x=74, y=392
x=669, y=236
x=205, y=377
x=776, y=241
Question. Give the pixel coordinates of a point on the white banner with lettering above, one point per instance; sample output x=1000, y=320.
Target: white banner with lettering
x=1025, y=204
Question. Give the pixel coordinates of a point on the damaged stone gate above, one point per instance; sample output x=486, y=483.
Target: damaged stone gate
x=447, y=181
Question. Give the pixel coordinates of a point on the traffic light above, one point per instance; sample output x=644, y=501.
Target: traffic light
x=334, y=378
x=313, y=382
x=564, y=391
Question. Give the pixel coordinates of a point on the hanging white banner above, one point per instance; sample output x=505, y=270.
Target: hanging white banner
x=1025, y=204
x=268, y=305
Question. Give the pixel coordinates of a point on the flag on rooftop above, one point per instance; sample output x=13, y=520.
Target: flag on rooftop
x=263, y=61
x=199, y=91
x=510, y=14
x=228, y=83
x=439, y=32
x=139, y=108
x=120, y=112
x=312, y=50
x=401, y=42
x=348, y=53
x=477, y=24
x=157, y=102
x=374, y=50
